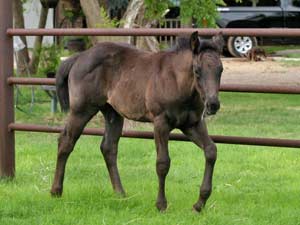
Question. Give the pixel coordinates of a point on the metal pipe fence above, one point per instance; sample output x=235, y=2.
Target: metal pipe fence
x=272, y=32
x=273, y=142
x=272, y=89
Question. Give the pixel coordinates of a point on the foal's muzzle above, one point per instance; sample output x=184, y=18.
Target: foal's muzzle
x=212, y=106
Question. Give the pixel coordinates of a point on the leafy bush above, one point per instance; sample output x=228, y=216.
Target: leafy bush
x=49, y=59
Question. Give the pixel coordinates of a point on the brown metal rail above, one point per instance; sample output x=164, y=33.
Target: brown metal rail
x=224, y=87
x=273, y=89
x=272, y=32
x=7, y=139
x=30, y=81
x=174, y=136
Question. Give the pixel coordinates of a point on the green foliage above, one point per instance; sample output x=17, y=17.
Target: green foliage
x=49, y=59
x=107, y=21
x=73, y=14
x=156, y=9
x=203, y=11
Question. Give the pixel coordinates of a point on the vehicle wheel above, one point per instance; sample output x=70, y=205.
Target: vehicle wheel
x=238, y=46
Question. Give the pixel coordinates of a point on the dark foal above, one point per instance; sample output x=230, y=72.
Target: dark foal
x=171, y=89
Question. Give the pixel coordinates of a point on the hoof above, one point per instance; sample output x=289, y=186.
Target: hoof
x=118, y=189
x=56, y=192
x=198, y=207
x=161, y=206
x=121, y=194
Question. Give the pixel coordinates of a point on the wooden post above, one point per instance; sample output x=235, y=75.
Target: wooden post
x=7, y=139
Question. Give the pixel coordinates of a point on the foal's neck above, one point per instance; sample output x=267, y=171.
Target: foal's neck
x=182, y=63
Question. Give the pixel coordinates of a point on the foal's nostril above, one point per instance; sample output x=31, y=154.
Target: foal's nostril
x=213, y=107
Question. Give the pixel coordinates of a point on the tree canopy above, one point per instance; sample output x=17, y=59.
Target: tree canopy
x=204, y=12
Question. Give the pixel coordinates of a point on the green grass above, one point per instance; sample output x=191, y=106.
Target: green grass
x=289, y=63
x=274, y=48
x=292, y=63
x=293, y=55
x=252, y=185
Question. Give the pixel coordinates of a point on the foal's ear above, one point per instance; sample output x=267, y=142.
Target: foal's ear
x=194, y=41
x=219, y=41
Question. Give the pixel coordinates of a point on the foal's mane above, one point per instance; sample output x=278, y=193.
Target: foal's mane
x=183, y=43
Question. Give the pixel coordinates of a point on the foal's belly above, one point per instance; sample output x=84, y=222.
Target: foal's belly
x=129, y=110
x=130, y=105
x=127, y=94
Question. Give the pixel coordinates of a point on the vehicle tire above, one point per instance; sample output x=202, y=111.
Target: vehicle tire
x=238, y=46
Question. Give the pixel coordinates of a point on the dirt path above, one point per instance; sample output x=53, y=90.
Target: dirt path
x=240, y=71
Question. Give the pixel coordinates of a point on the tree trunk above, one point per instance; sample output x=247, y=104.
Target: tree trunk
x=22, y=55
x=33, y=65
x=149, y=43
x=130, y=17
x=91, y=10
x=134, y=17
x=24, y=64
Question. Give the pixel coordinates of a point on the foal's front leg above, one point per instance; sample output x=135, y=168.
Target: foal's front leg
x=199, y=135
x=109, y=145
x=161, y=136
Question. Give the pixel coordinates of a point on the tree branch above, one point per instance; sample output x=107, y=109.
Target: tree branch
x=33, y=65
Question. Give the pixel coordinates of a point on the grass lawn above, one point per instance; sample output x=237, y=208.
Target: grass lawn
x=292, y=63
x=293, y=55
x=274, y=48
x=252, y=185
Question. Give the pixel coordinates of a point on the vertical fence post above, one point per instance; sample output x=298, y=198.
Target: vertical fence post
x=7, y=139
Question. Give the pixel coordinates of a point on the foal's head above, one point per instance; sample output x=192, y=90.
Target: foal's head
x=207, y=69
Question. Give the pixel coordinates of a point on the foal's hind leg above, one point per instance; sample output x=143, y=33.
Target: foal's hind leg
x=161, y=136
x=199, y=135
x=109, y=145
x=66, y=142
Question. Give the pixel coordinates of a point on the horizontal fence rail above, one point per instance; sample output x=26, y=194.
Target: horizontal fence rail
x=173, y=136
x=30, y=81
x=224, y=87
x=272, y=32
x=251, y=88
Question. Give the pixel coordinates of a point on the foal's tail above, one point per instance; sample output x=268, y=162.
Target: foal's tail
x=62, y=88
